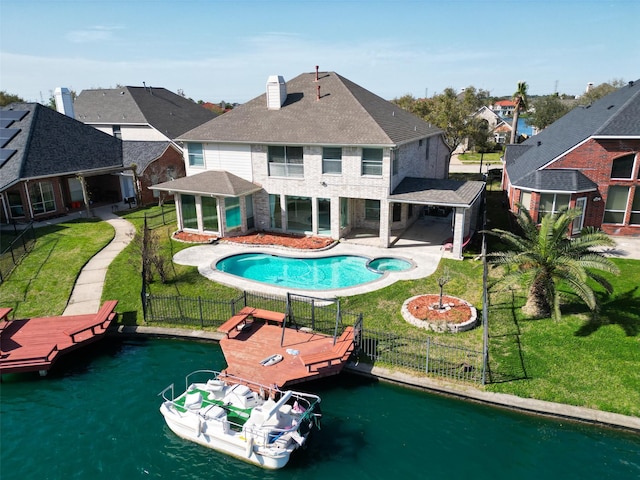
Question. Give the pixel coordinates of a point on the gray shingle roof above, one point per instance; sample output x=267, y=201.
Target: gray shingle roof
x=50, y=143
x=142, y=153
x=557, y=180
x=211, y=182
x=451, y=193
x=616, y=115
x=166, y=111
x=345, y=114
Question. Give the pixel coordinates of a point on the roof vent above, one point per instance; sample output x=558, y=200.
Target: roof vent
x=276, y=92
x=631, y=83
x=539, y=143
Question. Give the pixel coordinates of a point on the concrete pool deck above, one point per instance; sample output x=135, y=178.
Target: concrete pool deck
x=421, y=245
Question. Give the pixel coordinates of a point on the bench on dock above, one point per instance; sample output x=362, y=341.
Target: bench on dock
x=337, y=353
x=268, y=315
x=228, y=326
x=102, y=320
x=256, y=313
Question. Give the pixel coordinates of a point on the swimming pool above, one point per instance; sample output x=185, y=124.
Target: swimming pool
x=317, y=273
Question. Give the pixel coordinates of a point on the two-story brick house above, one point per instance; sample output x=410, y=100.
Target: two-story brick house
x=318, y=155
x=147, y=120
x=588, y=159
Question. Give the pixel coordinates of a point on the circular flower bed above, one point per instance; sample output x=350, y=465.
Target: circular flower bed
x=423, y=311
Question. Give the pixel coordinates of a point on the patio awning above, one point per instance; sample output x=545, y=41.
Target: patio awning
x=210, y=183
x=445, y=193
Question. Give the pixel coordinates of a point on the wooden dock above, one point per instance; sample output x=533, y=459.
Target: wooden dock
x=34, y=344
x=306, y=355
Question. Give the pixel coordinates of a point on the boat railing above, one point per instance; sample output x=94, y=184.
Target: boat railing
x=163, y=393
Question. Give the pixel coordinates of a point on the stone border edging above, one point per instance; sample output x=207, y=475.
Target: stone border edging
x=512, y=402
x=439, y=326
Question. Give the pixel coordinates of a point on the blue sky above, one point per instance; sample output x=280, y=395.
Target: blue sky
x=225, y=50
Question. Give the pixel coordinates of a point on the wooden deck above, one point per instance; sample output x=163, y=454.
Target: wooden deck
x=34, y=344
x=244, y=350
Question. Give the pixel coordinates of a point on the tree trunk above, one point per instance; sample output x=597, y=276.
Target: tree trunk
x=514, y=125
x=537, y=305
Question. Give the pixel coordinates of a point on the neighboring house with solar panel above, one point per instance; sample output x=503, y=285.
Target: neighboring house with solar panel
x=588, y=159
x=152, y=118
x=51, y=164
x=319, y=155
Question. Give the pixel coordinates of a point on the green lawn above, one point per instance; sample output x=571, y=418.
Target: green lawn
x=41, y=285
x=581, y=360
x=472, y=157
x=578, y=361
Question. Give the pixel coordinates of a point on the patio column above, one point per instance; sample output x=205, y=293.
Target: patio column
x=458, y=232
x=385, y=226
x=85, y=194
x=177, y=198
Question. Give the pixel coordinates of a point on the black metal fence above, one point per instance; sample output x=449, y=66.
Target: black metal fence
x=17, y=249
x=165, y=216
x=420, y=353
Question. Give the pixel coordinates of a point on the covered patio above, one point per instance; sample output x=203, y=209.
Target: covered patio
x=437, y=197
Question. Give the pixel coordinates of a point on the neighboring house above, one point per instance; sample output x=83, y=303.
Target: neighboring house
x=51, y=164
x=139, y=113
x=498, y=127
x=151, y=163
x=318, y=155
x=504, y=108
x=588, y=159
x=142, y=114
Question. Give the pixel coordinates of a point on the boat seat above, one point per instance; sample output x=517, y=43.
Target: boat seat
x=214, y=412
x=193, y=401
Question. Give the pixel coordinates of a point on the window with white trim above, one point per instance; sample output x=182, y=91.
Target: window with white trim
x=285, y=161
x=616, y=207
x=525, y=200
x=42, y=198
x=332, y=160
x=372, y=161
x=622, y=167
x=635, y=208
x=196, y=157
x=553, y=202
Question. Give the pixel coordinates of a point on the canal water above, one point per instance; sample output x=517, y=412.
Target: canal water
x=95, y=416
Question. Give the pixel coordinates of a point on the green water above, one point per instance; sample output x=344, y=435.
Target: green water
x=96, y=417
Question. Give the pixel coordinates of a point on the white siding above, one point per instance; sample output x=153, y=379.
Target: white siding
x=233, y=158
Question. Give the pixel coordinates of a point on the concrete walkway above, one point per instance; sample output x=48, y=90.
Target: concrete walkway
x=87, y=292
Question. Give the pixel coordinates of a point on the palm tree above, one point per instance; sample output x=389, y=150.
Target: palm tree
x=544, y=255
x=520, y=99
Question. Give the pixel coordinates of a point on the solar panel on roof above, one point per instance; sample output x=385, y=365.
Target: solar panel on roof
x=6, y=134
x=15, y=115
x=5, y=122
x=5, y=154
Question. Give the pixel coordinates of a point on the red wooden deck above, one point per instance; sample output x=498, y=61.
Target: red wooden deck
x=34, y=344
x=244, y=350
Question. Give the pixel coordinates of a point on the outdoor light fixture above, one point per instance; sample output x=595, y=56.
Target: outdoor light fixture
x=597, y=199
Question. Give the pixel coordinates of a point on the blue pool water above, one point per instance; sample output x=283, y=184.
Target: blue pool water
x=322, y=273
x=388, y=264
